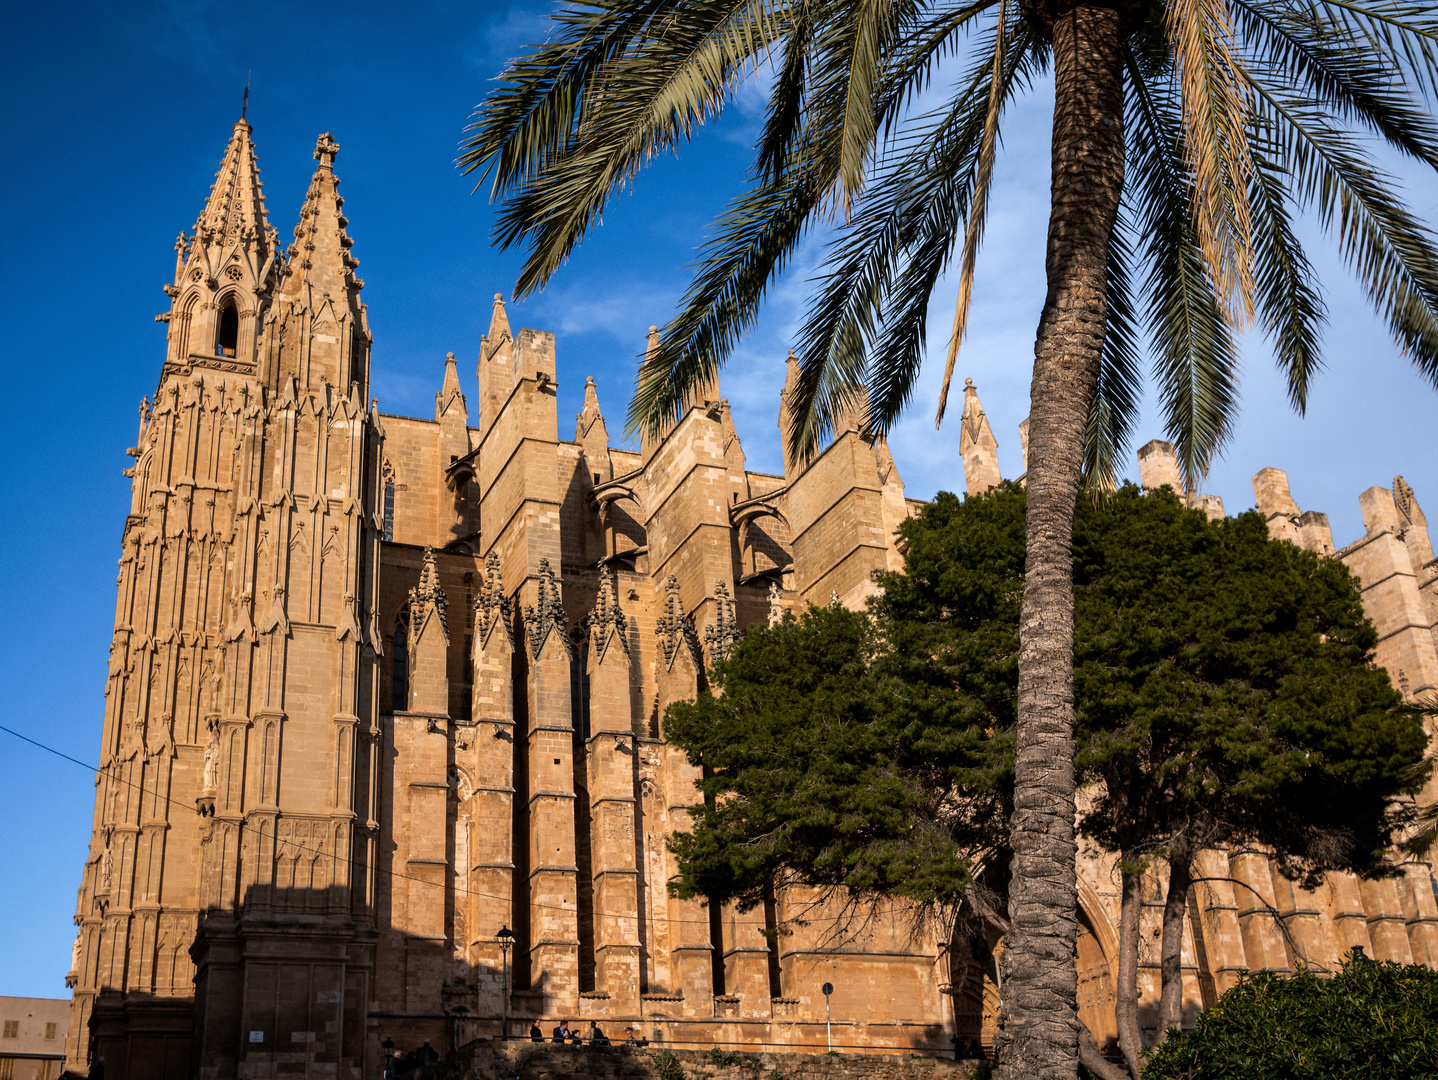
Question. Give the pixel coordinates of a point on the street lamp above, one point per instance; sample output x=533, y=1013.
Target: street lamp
x=506, y=939
x=828, y=989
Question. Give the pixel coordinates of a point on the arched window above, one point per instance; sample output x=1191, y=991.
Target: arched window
x=399, y=674
x=389, y=508
x=228, y=337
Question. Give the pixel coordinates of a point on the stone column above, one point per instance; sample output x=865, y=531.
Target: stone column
x=553, y=894
x=611, y=772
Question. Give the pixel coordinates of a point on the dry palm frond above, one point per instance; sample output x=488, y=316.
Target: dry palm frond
x=1214, y=94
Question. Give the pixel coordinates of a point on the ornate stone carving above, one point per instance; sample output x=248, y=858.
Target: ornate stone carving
x=674, y=628
x=492, y=605
x=428, y=592
x=607, y=618
x=547, y=614
x=720, y=635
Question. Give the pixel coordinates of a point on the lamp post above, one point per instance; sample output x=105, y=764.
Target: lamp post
x=506, y=939
x=828, y=989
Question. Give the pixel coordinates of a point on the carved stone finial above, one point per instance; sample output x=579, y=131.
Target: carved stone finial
x=325, y=150
x=427, y=592
x=606, y=615
x=834, y=598
x=492, y=604
x=776, y=604
x=721, y=634
x=674, y=627
x=547, y=613
x=1403, y=498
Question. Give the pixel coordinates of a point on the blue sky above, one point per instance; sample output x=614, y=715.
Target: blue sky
x=116, y=119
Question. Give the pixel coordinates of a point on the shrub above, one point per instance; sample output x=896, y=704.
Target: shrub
x=1371, y=1021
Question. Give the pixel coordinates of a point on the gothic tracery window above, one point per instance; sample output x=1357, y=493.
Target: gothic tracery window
x=388, y=473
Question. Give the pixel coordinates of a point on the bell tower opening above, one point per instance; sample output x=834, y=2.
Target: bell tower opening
x=228, y=336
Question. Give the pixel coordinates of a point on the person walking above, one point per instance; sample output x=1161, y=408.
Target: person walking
x=561, y=1033
x=536, y=1033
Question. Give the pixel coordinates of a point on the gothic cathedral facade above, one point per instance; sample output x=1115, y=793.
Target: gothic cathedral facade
x=383, y=754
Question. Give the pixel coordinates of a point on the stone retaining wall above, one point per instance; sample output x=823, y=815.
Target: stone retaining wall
x=486, y=1060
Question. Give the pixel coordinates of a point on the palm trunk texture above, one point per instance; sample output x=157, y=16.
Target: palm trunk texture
x=1039, y=1034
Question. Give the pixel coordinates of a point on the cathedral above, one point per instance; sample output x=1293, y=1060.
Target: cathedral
x=383, y=755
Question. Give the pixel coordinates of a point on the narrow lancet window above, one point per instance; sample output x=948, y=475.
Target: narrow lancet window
x=389, y=508
x=399, y=675
x=228, y=338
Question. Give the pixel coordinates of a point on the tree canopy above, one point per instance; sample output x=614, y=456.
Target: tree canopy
x=1225, y=694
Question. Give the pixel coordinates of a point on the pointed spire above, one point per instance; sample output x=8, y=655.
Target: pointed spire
x=786, y=413
x=428, y=597
x=977, y=445
x=492, y=606
x=450, y=395
x=547, y=613
x=590, y=415
x=498, y=322
x=233, y=220
x=606, y=616
x=674, y=628
x=853, y=415
x=327, y=339
x=320, y=263
x=648, y=442
x=494, y=370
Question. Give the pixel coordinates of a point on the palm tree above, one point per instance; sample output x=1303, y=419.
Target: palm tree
x=1185, y=136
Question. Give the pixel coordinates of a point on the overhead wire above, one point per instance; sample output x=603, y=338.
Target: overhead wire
x=393, y=874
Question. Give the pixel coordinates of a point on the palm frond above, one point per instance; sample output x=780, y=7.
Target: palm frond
x=752, y=244
x=1391, y=253
x=753, y=239
x=1290, y=306
x=1195, y=361
x=978, y=213
x=1214, y=100
x=1120, y=381
x=869, y=31
x=1359, y=84
x=1398, y=28
x=530, y=117
x=648, y=100
x=784, y=119
x=883, y=267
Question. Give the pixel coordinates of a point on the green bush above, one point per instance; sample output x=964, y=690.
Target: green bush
x=1371, y=1021
x=668, y=1066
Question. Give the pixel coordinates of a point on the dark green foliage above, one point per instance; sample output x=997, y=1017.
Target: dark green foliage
x=1225, y=693
x=821, y=763
x=1371, y=1021
x=1225, y=690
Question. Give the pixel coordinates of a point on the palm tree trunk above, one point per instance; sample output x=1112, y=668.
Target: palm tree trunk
x=1130, y=1040
x=1170, y=1006
x=1039, y=1036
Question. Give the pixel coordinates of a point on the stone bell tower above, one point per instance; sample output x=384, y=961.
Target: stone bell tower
x=228, y=888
